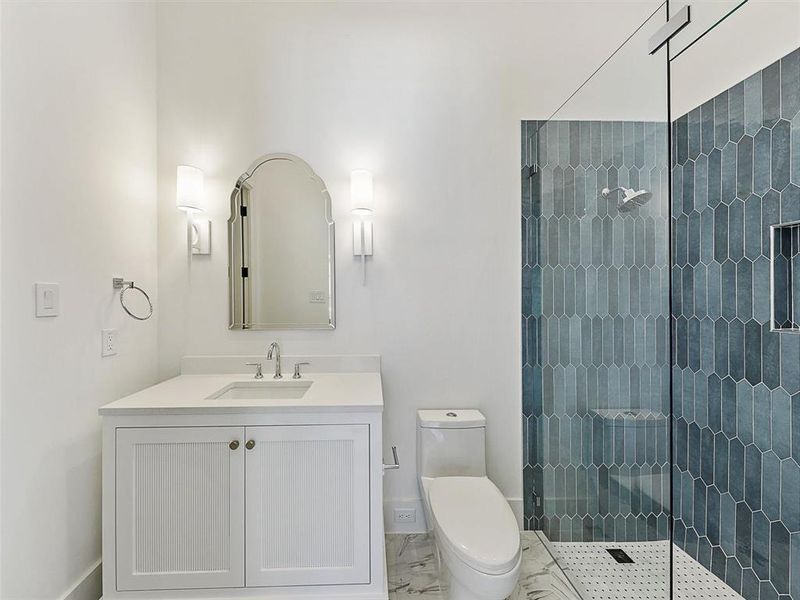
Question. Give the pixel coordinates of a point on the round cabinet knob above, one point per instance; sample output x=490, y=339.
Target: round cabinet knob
x=234, y=445
x=250, y=444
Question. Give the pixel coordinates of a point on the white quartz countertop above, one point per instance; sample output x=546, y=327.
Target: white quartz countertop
x=191, y=394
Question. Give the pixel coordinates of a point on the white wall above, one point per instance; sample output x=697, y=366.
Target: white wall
x=429, y=96
x=632, y=85
x=78, y=207
x=755, y=36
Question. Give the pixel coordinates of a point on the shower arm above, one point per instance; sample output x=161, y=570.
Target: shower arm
x=607, y=192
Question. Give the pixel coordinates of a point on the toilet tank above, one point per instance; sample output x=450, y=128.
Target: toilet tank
x=451, y=442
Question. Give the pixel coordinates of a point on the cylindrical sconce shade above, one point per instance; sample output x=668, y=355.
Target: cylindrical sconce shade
x=361, y=191
x=189, y=196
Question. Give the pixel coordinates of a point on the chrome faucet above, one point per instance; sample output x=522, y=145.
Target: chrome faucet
x=275, y=348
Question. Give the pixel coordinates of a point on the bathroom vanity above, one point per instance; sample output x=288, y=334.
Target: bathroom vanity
x=224, y=486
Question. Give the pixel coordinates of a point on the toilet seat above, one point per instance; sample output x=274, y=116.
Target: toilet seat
x=474, y=522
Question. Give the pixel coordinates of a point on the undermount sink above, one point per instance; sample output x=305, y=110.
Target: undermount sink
x=262, y=390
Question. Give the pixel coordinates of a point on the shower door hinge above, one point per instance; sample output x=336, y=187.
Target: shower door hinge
x=681, y=19
x=245, y=272
x=243, y=211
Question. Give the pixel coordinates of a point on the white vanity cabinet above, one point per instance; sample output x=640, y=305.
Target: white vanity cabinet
x=307, y=498
x=235, y=504
x=179, y=508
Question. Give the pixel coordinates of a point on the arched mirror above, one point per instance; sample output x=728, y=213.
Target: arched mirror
x=281, y=254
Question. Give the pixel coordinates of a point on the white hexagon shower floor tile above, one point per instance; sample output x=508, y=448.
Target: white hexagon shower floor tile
x=592, y=573
x=599, y=577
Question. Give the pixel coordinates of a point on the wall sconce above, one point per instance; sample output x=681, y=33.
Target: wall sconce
x=189, y=197
x=361, y=195
x=189, y=194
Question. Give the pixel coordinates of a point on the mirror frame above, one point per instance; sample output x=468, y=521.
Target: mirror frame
x=241, y=182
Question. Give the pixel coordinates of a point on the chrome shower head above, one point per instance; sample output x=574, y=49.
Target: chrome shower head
x=630, y=198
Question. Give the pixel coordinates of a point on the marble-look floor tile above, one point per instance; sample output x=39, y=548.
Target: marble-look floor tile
x=540, y=576
x=412, y=569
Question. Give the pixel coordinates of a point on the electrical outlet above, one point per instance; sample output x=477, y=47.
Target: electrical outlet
x=405, y=515
x=316, y=297
x=109, y=338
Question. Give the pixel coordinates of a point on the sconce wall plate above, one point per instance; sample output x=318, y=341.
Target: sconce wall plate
x=201, y=236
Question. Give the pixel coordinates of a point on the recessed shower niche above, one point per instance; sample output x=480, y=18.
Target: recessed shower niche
x=785, y=279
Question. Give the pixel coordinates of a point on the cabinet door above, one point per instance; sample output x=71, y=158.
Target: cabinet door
x=180, y=508
x=307, y=491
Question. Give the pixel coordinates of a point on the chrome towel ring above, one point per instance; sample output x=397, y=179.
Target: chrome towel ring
x=125, y=287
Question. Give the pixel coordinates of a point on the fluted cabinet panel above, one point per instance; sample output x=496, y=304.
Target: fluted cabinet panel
x=181, y=507
x=307, y=489
x=307, y=504
x=180, y=493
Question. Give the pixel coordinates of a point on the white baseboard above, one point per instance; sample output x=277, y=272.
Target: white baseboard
x=89, y=586
x=419, y=526
x=518, y=508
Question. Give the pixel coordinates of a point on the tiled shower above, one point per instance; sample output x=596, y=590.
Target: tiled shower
x=595, y=320
x=648, y=397
x=736, y=382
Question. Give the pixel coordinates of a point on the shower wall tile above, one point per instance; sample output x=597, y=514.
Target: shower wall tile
x=736, y=415
x=596, y=366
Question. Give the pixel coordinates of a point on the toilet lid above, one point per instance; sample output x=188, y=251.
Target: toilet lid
x=476, y=523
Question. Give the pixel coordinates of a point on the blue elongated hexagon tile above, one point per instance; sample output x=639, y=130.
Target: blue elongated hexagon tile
x=755, y=375
x=596, y=325
x=596, y=443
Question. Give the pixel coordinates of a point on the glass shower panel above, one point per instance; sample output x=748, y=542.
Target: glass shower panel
x=596, y=354
x=736, y=370
x=705, y=16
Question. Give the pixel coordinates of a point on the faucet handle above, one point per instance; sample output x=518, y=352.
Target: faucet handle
x=297, y=366
x=257, y=365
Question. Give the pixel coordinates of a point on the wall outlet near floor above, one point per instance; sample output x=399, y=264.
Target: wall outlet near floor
x=405, y=515
x=109, y=339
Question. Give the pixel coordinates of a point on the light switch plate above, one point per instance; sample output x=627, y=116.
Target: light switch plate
x=109, y=339
x=46, y=299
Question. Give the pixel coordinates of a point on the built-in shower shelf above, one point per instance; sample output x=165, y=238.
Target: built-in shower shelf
x=629, y=417
x=785, y=277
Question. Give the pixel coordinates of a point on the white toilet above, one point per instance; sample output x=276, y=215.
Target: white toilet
x=476, y=533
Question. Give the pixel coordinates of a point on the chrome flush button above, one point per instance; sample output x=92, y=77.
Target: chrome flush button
x=452, y=414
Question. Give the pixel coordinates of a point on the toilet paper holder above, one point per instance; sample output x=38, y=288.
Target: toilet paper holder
x=396, y=464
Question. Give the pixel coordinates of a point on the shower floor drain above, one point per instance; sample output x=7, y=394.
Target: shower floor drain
x=619, y=555
x=595, y=570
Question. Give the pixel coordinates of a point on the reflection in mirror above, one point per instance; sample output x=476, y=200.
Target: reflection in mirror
x=280, y=237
